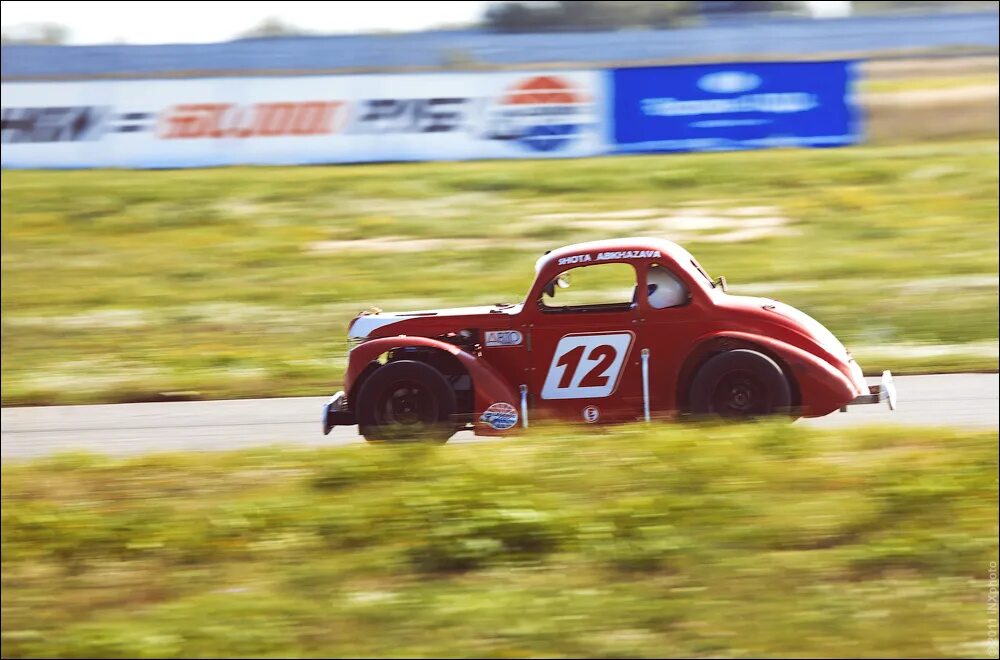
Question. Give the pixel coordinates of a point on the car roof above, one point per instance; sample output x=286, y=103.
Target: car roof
x=632, y=249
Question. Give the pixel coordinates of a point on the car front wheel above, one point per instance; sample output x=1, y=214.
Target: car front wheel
x=740, y=384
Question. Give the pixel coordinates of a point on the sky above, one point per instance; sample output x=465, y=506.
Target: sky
x=202, y=22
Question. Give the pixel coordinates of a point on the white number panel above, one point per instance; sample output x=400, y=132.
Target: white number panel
x=587, y=366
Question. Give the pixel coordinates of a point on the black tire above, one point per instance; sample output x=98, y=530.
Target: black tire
x=739, y=384
x=404, y=401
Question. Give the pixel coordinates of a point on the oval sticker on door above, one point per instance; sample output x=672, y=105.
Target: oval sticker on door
x=500, y=416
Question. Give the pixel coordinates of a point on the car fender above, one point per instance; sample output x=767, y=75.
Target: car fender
x=489, y=388
x=822, y=387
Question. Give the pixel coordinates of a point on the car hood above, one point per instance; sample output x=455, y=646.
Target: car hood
x=790, y=318
x=364, y=324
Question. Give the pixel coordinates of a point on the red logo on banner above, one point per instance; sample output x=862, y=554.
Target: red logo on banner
x=227, y=120
x=543, y=113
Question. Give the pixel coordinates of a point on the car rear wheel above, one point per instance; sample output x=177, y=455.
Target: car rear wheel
x=740, y=384
x=406, y=401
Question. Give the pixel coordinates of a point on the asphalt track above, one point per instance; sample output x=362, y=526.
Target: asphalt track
x=957, y=400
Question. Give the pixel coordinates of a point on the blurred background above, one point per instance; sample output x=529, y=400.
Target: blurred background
x=198, y=197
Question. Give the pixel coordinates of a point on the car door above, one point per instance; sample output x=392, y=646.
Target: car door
x=585, y=347
x=672, y=321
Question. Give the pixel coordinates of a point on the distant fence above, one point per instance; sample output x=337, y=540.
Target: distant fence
x=767, y=38
x=441, y=116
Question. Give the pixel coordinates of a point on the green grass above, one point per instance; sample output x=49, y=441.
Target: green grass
x=928, y=83
x=125, y=285
x=758, y=541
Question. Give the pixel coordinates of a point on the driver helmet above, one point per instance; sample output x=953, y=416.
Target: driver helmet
x=663, y=289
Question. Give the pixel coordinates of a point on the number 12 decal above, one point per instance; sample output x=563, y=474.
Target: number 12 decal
x=587, y=366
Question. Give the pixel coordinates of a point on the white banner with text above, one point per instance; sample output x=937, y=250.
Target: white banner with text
x=302, y=120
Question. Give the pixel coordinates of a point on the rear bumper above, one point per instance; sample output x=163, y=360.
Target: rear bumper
x=335, y=413
x=884, y=391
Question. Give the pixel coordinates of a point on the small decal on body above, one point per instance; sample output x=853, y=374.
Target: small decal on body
x=500, y=416
x=610, y=256
x=503, y=338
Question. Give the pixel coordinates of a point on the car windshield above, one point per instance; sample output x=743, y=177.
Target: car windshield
x=701, y=270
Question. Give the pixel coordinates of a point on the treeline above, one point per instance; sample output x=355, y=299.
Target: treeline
x=584, y=15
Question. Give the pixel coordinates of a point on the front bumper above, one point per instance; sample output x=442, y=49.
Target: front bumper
x=335, y=413
x=884, y=391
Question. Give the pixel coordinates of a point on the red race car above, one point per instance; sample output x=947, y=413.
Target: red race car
x=643, y=333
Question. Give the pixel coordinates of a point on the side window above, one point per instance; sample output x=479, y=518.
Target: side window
x=602, y=287
x=664, y=289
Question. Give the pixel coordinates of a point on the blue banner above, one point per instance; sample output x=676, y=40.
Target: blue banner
x=734, y=106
